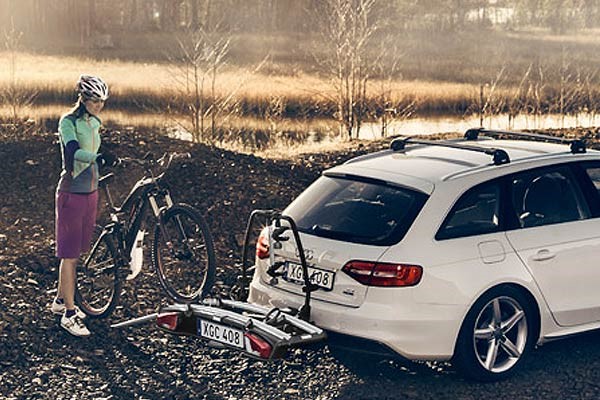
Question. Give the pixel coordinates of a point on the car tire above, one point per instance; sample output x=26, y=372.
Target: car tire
x=496, y=335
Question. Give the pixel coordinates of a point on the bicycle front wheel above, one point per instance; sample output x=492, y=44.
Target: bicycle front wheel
x=98, y=285
x=183, y=254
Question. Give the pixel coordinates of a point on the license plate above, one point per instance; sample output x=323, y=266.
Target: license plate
x=221, y=333
x=319, y=277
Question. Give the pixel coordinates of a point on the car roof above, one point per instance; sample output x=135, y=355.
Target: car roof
x=421, y=166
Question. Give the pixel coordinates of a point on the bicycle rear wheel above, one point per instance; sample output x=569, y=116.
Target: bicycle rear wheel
x=98, y=284
x=183, y=254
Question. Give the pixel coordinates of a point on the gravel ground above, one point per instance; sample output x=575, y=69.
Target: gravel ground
x=40, y=360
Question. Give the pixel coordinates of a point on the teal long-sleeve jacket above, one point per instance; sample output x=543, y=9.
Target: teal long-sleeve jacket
x=79, y=144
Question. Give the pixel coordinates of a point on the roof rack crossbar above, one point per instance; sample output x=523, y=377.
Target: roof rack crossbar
x=576, y=145
x=499, y=156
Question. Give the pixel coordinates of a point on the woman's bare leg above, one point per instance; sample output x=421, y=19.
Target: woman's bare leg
x=66, y=282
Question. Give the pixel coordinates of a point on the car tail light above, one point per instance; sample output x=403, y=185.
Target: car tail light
x=259, y=346
x=168, y=321
x=384, y=274
x=262, y=245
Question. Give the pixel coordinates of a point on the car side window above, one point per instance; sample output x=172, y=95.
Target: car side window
x=594, y=174
x=476, y=212
x=547, y=196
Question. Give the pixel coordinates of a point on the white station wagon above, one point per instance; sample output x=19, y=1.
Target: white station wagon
x=469, y=250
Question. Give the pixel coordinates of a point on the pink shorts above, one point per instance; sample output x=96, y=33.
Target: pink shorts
x=75, y=222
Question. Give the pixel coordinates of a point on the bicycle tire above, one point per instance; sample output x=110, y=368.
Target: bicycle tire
x=175, y=265
x=99, y=270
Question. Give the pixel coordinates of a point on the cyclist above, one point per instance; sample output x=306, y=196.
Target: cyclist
x=76, y=194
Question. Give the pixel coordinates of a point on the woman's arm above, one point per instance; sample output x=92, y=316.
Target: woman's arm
x=72, y=151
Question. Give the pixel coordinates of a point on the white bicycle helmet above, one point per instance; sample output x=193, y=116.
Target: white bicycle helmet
x=92, y=88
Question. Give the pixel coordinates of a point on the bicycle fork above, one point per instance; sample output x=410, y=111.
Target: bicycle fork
x=159, y=212
x=154, y=204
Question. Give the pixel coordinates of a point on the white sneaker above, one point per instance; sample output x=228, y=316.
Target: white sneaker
x=74, y=325
x=59, y=309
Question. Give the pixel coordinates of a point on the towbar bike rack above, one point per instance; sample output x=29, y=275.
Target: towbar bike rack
x=257, y=331
x=276, y=236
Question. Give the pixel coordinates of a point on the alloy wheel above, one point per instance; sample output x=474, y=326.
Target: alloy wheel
x=500, y=334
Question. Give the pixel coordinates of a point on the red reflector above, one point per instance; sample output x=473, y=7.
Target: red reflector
x=259, y=347
x=262, y=245
x=384, y=274
x=360, y=270
x=168, y=321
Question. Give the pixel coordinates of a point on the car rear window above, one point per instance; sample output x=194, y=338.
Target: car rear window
x=356, y=210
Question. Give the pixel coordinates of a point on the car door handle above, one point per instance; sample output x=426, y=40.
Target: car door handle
x=543, y=255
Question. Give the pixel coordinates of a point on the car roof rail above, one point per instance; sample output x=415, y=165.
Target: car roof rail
x=577, y=145
x=499, y=156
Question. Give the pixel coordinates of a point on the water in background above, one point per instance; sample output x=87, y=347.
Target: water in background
x=444, y=124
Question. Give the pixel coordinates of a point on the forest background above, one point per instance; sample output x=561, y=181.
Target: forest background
x=256, y=73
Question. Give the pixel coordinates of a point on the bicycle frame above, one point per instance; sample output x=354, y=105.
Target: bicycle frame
x=115, y=256
x=145, y=194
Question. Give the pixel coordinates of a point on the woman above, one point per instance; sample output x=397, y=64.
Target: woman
x=76, y=194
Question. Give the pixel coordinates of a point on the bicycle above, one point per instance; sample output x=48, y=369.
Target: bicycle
x=182, y=247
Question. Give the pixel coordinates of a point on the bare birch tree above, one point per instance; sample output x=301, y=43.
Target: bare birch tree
x=390, y=104
x=202, y=56
x=518, y=99
x=571, y=88
x=201, y=59
x=347, y=28
x=14, y=94
x=538, y=86
x=591, y=95
x=489, y=102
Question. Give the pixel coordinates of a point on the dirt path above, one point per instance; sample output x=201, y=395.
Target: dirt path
x=39, y=360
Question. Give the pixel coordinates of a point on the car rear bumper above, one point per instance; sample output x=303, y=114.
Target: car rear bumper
x=414, y=331
x=360, y=345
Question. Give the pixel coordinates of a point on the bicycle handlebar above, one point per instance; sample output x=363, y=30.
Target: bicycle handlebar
x=146, y=162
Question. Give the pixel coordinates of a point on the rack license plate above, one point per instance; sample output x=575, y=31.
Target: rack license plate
x=221, y=333
x=320, y=277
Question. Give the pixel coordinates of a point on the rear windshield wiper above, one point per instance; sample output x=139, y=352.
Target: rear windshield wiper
x=318, y=230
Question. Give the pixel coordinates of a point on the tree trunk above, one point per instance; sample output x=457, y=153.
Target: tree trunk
x=481, y=111
x=195, y=15
x=90, y=25
x=133, y=10
x=165, y=16
x=207, y=15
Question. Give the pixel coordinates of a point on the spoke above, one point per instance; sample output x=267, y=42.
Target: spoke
x=484, y=334
x=180, y=227
x=512, y=321
x=103, y=271
x=510, y=348
x=99, y=264
x=198, y=247
x=492, y=354
x=497, y=315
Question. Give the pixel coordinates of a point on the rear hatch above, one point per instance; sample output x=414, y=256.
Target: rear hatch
x=342, y=219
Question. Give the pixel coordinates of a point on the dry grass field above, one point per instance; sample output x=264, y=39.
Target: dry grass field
x=53, y=78
x=291, y=98
x=433, y=68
